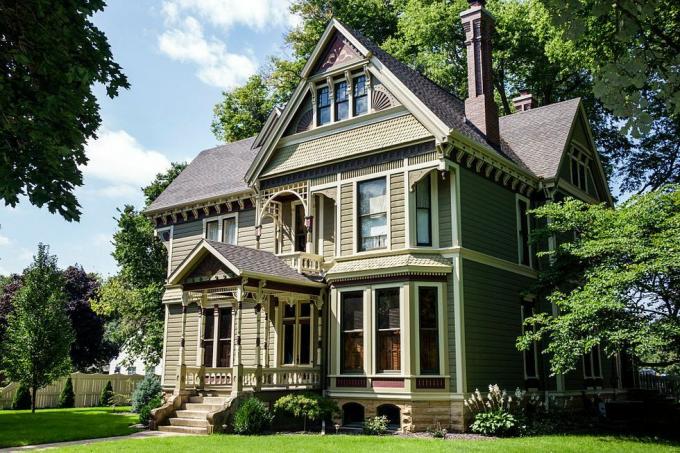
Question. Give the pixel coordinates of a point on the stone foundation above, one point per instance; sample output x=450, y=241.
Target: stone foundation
x=415, y=415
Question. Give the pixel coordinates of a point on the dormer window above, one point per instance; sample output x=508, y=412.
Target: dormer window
x=323, y=102
x=579, y=163
x=341, y=101
x=360, y=95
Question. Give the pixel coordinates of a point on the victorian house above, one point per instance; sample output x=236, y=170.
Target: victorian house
x=370, y=243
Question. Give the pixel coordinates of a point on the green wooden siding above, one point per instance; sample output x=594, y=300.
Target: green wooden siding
x=346, y=219
x=443, y=207
x=397, y=214
x=488, y=217
x=451, y=330
x=492, y=324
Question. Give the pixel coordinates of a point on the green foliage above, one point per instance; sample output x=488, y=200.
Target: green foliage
x=614, y=278
x=376, y=426
x=145, y=410
x=51, y=55
x=106, y=395
x=252, y=417
x=36, y=347
x=22, y=398
x=243, y=111
x=67, y=397
x=308, y=406
x=437, y=431
x=494, y=423
x=147, y=389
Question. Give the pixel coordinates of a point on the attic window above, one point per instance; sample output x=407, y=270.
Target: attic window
x=323, y=102
x=341, y=101
x=578, y=169
x=360, y=95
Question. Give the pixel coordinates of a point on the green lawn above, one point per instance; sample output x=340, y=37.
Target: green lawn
x=354, y=444
x=56, y=425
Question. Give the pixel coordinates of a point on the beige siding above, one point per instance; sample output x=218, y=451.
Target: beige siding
x=191, y=336
x=248, y=335
x=397, y=211
x=173, y=338
x=443, y=208
x=246, y=228
x=329, y=228
x=346, y=219
x=185, y=237
x=287, y=219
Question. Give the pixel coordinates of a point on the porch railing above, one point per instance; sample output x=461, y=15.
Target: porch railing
x=252, y=378
x=304, y=263
x=664, y=384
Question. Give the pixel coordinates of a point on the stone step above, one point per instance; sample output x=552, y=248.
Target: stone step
x=196, y=399
x=202, y=407
x=183, y=429
x=191, y=414
x=196, y=422
x=214, y=400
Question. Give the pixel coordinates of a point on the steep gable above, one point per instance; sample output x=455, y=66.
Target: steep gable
x=339, y=52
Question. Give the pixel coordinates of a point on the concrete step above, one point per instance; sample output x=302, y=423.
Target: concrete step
x=213, y=400
x=183, y=429
x=195, y=422
x=196, y=399
x=202, y=407
x=191, y=414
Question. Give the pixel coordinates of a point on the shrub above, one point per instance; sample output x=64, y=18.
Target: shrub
x=376, y=425
x=67, y=397
x=309, y=406
x=437, y=430
x=145, y=411
x=495, y=423
x=22, y=399
x=106, y=395
x=148, y=389
x=252, y=417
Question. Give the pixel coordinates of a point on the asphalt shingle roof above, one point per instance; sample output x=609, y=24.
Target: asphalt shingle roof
x=538, y=136
x=214, y=172
x=257, y=261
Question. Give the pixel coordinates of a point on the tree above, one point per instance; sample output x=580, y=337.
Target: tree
x=91, y=348
x=106, y=395
x=36, y=347
x=10, y=285
x=614, y=278
x=50, y=56
x=67, y=397
x=162, y=180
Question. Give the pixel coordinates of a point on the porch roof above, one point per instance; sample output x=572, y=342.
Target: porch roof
x=241, y=262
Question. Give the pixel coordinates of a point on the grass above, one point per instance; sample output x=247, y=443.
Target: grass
x=344, y=443
x=19, y=428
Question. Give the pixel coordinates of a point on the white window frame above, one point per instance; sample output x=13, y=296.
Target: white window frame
x=520, y=248
x=434, y=210
x=441, y=327
x=355, y=215
x=220, y=224
x=596, y=349
x=367, y=84
x=373, y=328
x=158, y=232
x=293, y=219
x=534, y=346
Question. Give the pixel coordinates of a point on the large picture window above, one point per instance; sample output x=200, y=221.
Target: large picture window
x=360, y=96
x=424, y=212
x=388, y=329
x=352, y=327
x=341, y=101
x=372, y=203
x=323, y=101
x=428, y=329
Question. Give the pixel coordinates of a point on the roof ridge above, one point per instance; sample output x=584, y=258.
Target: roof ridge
x=578, y=98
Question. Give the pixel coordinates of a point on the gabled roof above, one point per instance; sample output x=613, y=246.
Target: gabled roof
x=539, y=136
x=242, y=261
x=214, y=172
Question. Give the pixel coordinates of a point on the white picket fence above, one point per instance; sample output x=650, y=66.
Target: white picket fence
x=87, y=388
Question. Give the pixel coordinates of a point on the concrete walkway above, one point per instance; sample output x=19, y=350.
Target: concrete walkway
x=139, y=435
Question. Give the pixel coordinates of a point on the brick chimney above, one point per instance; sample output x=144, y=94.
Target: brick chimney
x=480, y=108
x=525, y=101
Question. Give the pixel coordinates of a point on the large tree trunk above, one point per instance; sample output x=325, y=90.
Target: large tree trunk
x=33, y=394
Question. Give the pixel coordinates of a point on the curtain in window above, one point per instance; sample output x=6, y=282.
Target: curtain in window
x=229, y=231
x=212, y=231
x=372, y=214
x=388, y=332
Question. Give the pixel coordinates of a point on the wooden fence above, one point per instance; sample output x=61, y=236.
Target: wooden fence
x=87, y=388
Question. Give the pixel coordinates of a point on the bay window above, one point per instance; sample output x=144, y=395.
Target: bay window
x=372, y=203
x=424, y=212
x=323, y=107
x=388, y=329
x=352, y=332
x=428, y=329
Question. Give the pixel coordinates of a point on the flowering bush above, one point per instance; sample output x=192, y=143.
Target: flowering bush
x=376, y=425
x=499, y=414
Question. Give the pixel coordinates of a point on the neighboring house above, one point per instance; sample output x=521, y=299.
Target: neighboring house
x=372, y=241
x=121, y=365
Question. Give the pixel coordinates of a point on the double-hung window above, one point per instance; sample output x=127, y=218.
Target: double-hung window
x=229, y=230
x=360, y=96
x=323, y=101
x=424, y=212
x=579, y=163
x=217, y=344
x=212, y=230
x=352, y=328
x=428, y=329
x=372, y=196
x=297, y=333
x=341, y=101
x=388, y=329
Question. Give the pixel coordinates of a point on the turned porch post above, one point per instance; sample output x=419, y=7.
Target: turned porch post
x=237, y=381
x=258, y=350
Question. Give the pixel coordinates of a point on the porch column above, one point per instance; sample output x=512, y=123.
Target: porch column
x=201, y=337
x=258, y=349
x=309, y=220
x=266, y=332
x=216, y=334
x=180, y=383
x=237, y=381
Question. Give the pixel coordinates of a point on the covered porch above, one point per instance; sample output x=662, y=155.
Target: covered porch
x=248, y=323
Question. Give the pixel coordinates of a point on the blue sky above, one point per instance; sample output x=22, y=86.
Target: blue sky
x=179, y=55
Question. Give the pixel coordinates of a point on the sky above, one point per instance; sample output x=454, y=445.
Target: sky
x=179, y=56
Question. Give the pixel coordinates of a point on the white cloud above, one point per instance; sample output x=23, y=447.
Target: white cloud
x=117, y=159
x=4, y=240
x=102, y=240
x=256, y=14
x=186, y=42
